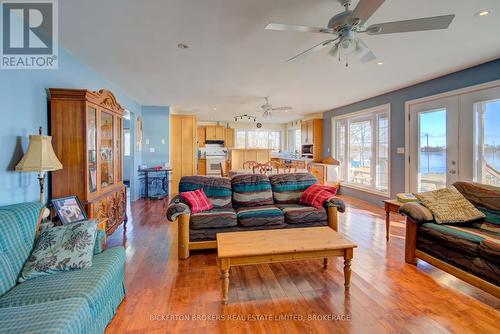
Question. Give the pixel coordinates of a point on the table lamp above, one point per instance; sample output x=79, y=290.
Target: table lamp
x=40, y=158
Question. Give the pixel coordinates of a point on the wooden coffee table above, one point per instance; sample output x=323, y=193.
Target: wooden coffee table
x=254, y=247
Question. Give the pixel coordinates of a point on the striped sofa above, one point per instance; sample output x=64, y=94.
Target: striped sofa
x=245, y=203
x=470, y=251
x=80, y=301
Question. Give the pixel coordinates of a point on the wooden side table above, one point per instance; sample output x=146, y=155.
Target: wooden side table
x=391, y=205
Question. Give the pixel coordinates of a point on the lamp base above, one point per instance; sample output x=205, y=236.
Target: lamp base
x=41, y=181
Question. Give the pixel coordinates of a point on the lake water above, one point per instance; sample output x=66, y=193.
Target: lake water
x=437, y=161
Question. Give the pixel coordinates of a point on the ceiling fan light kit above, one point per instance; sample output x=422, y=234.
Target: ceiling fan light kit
x=347, y=25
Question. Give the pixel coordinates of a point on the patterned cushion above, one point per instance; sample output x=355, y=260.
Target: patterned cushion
x=215, y=218
x=62, y=248
x=299, y=214
x=218, y=189
x=449, y=206
x=316, y=195
x=71, y=316
x=197, y=200
x=287, y=188
x=96, y=285
x=251, y=190
x=17, y=237
x=260, y=216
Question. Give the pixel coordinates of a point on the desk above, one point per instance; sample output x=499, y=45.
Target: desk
x=390, y=205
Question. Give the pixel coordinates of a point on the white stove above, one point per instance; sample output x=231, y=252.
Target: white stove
x=215, y=155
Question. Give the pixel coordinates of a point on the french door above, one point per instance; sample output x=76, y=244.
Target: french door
x=434, y=151
x=455, y=138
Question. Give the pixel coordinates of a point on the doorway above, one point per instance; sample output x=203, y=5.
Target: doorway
x=454, y=137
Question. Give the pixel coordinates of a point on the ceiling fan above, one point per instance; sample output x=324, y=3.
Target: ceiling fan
x=345, y=27
x=268, y=108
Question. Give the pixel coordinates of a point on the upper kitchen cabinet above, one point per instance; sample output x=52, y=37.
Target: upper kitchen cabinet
x=200, y=132
x=215, y=132
x=229, y=137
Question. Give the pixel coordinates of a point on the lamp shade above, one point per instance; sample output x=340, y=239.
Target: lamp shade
x=40, y=156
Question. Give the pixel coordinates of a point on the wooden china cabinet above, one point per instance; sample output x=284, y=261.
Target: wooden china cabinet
x=86, y=129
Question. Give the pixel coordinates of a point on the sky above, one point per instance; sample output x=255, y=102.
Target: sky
x=434, y=124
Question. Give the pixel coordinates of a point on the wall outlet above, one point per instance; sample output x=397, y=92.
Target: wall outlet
x=163, y=141
x=147, y=141
x=151, y=150
x=400, y=150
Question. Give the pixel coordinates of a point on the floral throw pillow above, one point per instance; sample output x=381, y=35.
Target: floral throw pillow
x=61, y=248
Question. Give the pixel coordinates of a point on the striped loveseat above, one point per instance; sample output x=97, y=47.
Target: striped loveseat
x=245, y=203
x=470, y=251
x=79, y=301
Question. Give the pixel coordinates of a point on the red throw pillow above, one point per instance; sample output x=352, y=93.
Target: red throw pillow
x=316, y=195
x=197, y=200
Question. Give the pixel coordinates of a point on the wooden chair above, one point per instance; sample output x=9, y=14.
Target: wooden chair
x=250, y=164
x=264, y=169
x=276, y=166
x=289, y=168
x=223, y=173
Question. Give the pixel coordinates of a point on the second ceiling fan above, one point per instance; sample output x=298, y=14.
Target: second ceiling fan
x=346, y=26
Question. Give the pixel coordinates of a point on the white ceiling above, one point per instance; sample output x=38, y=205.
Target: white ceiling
x=232, y=62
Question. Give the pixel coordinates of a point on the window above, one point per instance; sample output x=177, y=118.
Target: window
x=270, y=139
x=294, y=142
x=126, y=142
x=361, y=144
x=487, y=142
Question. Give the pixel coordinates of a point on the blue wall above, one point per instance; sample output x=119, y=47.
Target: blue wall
x=23, y=108
x=155, y=126
x=489, y=71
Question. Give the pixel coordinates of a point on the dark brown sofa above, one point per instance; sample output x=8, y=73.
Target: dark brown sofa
x=468, y=251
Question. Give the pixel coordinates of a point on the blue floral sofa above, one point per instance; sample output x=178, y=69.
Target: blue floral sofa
x=245, y=203
x=78, y=301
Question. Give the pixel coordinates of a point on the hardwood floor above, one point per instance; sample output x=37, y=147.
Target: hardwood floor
x=387, y=295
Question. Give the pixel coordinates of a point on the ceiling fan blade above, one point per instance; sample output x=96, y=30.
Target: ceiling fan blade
x=426, y=23
x=313, y=49
x=282, y=109
x=363, y=53
x=290, y=27
x=365, y=9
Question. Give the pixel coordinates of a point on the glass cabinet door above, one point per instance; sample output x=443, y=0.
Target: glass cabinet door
x=119, y=143
x=107, y=149
x=92, y=148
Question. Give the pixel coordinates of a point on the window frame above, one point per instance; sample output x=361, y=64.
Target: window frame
x=371, y=114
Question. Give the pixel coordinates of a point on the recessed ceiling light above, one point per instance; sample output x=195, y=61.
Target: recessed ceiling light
x=215, y=108
x=483, y=12
x=380, y=63
x=182, y=46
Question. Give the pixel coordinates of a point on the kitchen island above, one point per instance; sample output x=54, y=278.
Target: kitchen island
x=240, y=155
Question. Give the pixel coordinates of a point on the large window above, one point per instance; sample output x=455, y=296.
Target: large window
x=294, y=142
x=270, y=139
x=361, y=144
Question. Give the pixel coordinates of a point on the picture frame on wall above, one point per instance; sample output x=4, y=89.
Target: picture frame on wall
x=69, y=209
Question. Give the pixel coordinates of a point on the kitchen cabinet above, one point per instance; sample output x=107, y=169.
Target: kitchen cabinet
x=214, y=132
x=202, y=166
x=312, y=139
x=229, y=138
x=183, y=148
x=201, y=136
